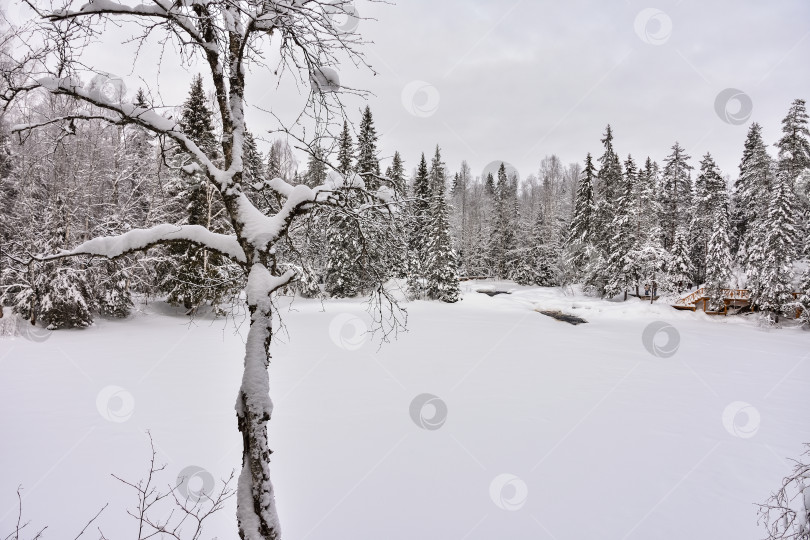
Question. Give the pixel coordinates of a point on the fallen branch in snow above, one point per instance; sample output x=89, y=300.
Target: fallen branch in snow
x=560, y=316
x=492, y=293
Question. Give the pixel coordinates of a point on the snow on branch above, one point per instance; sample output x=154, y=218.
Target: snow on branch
x=129, y=113
x=142, y=239
x=162, y=9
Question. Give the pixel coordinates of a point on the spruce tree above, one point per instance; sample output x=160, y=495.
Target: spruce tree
x=710, y=193
x=608, y=190
x=751, y=196
x=718, y=256
x=59, y=296
x=343, y=254
x=115, y=298
x=397, y=254
x=193, y=276
x=802, y=305
x=345, y=151
x=343, y=279
x=794, y=161
x=539, y=263
x=273, y=166
x=773, y=293
x=503, y=239
x=651, y=258
x=396, y=173
x=794, y=146
x=581, y=229
x=253, y=163
x=441, y=273
x=368, y=164
x=676, y=193
x=316, y=168
x=489, y=185
x=419, y=215
x=621, y=267
x=680, y=270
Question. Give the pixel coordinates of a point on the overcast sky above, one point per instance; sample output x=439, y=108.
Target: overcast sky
x=516, y=80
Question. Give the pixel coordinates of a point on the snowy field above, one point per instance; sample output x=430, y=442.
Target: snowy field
x=599, y=436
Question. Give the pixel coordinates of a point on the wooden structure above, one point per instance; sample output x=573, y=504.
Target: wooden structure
x=732, y=298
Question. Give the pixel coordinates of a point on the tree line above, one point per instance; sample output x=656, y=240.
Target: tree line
x=615, y=226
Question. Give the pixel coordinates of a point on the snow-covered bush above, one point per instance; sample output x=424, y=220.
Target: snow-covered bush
x=63, y=299
x=115, y=299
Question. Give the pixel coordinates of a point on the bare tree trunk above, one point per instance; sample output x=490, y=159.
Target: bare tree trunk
x=256, y=505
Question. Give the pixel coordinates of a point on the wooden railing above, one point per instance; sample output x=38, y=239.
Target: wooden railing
x=691, y=298
x=728, y=294
x=736, y=294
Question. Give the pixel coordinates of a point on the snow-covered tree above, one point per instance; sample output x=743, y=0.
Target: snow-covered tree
x=794, y=146
x=608, y=189
x=539, y=262
x=192, y=275
x=581, y=231
x=718, y=256
x=343, y=278
x=115, y=296
x=710, y=194
x=345, y=155
x=676, y=194
x=253, y=161
x=650, y=259
x=315, y=174
x=621, y=269
x=441, y=268
x=794, y=163
x=419, y=222
x=503, y=239
x=802, y=304
x=751, y=197
x=680, y=270
x=368, y=163
x=773, y=290
x=230, y=39
x=62, y=298
x=396, y=173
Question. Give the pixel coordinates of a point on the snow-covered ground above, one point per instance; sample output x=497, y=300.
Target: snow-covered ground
x=551, y=430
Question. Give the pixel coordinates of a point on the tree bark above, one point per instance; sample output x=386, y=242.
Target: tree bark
x=256, y=505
